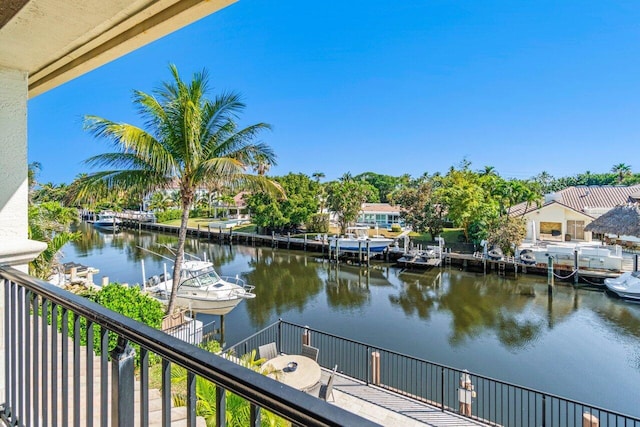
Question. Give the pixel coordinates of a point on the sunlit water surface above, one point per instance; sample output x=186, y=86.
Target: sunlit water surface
x=581, y=344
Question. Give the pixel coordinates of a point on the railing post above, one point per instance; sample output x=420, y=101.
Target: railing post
x=279, y=337
x=375, y=368
x=306, y=336
x=221, y=407
x=191, y=399
x=544, y=410
x=368, y=367
x=122, y=384
x=442, y=388
x=254, y=415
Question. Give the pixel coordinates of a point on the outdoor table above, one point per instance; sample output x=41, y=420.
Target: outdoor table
x=306, y=374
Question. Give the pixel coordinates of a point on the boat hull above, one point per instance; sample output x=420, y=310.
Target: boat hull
x=348, y=245
x=218, y=307
x=106, y=226
x=626, y=286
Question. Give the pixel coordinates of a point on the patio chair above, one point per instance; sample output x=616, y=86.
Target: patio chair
x=327, y=389
x=310, y=352
x=314, y=390
x=268, y=351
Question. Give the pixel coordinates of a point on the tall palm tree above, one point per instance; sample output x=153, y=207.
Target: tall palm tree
x=262, y=164
x=622, y=170
x=187, y=139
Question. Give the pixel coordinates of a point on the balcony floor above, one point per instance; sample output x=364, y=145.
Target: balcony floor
x=390, y=409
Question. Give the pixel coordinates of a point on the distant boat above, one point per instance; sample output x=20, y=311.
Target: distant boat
x=107, y=221
x=201, y=289
x=627, y=285
x=357, y=239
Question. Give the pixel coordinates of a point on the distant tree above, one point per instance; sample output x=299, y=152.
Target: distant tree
x=345, y=198
x=488, y=170
x=49, y=222
x=420, y=207
x=384, y=185
x=280, y=213
x=546, y=182
x=622, y=170
x=507, y=232
x=464, y=198
x=262, y=164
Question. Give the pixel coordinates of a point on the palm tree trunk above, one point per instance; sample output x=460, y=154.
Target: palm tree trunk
x=177, y=267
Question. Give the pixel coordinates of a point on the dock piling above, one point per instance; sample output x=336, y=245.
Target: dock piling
x=576, y=275
x=550, y=275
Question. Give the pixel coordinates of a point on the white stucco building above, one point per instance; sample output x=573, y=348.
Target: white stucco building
x=381, y=214
x=564, y=214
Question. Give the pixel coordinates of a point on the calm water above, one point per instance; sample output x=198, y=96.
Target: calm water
x=580, y=344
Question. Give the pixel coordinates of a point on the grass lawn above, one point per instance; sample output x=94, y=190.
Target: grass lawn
x=450, y=235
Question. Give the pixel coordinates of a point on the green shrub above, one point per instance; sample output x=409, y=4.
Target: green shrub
x=318, y=223
x=131, y=302
x=168, y=215
x=396, y=228
x=199, y=213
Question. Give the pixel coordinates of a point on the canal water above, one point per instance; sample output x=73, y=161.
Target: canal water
x=580, y=344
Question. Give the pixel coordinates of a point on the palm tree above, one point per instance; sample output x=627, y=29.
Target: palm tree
x=188, y=139
x=488, y=170
x=262, y=164
x=621, y=170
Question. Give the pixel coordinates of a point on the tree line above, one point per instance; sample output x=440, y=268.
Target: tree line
x=193, y=144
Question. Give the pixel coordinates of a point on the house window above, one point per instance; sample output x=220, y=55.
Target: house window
x=551, y=230
x=575, y=229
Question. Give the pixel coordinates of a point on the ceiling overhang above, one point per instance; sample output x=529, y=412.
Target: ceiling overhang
x=58, y=40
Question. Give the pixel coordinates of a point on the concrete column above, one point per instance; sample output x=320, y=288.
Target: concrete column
x=15, y=249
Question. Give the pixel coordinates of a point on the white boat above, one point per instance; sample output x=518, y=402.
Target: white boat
x=201, y=289
x=357, y=239
x=627, y=285
x=597, y=257
x=107, y=221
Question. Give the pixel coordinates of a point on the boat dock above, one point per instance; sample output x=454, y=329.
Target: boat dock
x=511, y=266
x=414, y=259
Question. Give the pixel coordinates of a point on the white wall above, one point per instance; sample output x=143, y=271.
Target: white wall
x=13, y=154
x=555, y=213
x=15, y=249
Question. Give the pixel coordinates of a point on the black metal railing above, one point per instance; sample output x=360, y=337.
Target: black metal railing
x=475, y=396
x=60, y=368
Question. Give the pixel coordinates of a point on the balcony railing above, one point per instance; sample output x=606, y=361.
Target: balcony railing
x=478, y=397
x=55, y=342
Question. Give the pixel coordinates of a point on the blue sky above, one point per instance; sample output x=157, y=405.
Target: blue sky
x=391, y=87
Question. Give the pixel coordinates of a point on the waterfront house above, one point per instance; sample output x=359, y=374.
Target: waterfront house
x=563, y=215
x=381, y=214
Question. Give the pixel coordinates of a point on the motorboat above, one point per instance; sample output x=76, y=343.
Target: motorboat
x=201, y=289
x=107, y=221
x=595, y=257
x=627, y=285
x=495, y=253
x=357, y=239
x=527, y=257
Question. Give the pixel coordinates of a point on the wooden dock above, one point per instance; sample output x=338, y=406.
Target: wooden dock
x=510, y=266
x=473, y=262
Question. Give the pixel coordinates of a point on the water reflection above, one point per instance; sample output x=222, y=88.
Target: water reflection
x=286, y=281
x=347, y=286
x=506, y=328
